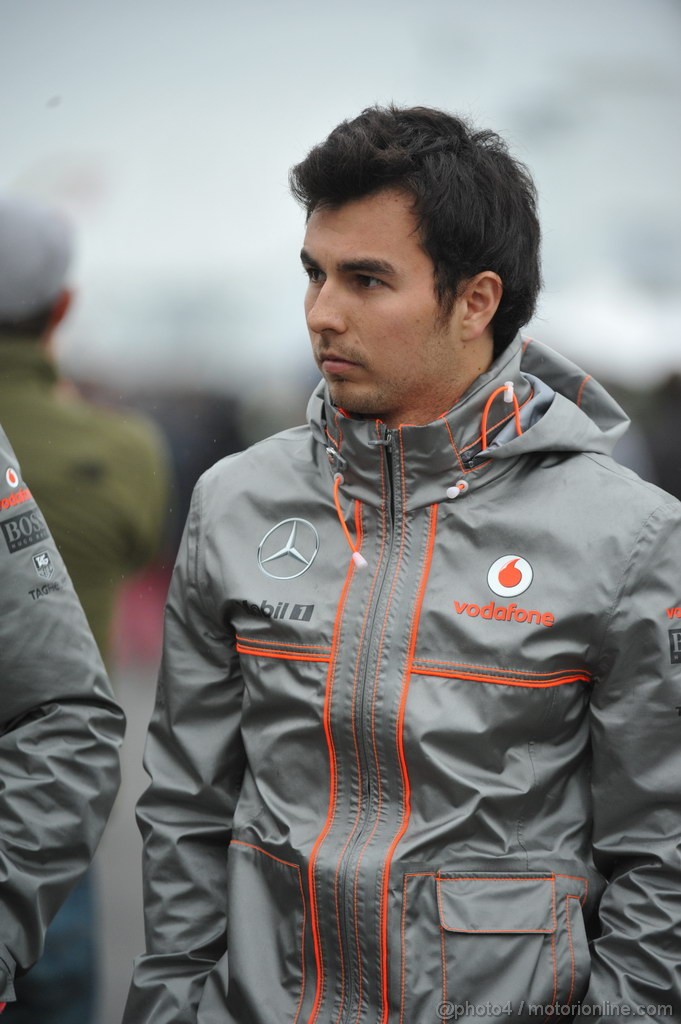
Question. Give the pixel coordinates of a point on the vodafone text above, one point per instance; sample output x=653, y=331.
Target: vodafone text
x=504, y=612
x=18, y=498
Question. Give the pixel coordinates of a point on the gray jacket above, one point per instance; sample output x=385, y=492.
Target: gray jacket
x=443, y=787
x=60, y=730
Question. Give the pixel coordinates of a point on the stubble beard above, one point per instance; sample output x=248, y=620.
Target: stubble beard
x=370, y=404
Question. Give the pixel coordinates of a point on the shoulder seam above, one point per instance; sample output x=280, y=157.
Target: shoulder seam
x=662, y=507
x=624, y=474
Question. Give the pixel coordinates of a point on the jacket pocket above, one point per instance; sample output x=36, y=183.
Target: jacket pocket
x=499, y=946
x=265, y=935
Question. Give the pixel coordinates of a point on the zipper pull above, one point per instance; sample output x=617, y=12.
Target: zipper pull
x=383, y=442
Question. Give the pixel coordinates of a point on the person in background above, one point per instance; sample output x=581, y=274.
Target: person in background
x=101, y=479
x=60, y=731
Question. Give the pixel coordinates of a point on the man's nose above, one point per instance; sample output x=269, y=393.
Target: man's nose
x=325, y=313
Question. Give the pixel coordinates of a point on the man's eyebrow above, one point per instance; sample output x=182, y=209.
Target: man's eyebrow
x=307, y=260
x=363, y=265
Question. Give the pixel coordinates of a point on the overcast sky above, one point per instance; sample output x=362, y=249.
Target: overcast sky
x=167, y=127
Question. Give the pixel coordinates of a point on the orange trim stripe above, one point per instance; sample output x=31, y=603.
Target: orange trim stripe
x=261, y=652
x=580, y=393
x=257, y=641
x=572, y=948
x=576, y=677
x=374, y=744
x=359, y=533
x=415, y=874
x=259, y=849
x=335, y=644
x=355, y=741
x=521, y=673
x=406, y=807
x=585, y=887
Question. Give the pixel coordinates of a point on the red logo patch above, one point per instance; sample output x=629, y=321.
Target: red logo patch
x=18, y=498
x=509, y=576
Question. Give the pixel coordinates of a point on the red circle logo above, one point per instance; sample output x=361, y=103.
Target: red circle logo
x=12, y=477
x=509, y=576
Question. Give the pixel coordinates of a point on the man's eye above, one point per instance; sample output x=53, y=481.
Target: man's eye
x=314, y=274
x=366, y=281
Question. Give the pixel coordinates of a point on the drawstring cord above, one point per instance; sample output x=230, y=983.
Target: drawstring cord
x=508, y=391
x=509, y=396
x=359, y=560
x=460, y=487
x=457, y=489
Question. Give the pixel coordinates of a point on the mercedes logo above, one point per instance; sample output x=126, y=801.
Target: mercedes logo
x=288, y=549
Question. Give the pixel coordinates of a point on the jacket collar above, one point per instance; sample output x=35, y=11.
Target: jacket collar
x=427, y=460
x=25, y=360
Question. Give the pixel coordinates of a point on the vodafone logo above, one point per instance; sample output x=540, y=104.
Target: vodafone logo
x=12, y=477
x=509, y=576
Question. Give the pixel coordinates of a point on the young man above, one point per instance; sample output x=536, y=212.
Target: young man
x=415, y=755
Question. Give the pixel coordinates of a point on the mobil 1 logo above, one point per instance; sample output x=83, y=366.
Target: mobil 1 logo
x=284, y=610
x=675, y=646
x=24, y=530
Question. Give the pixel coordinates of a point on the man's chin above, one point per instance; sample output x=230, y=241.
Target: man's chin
x=350, y=399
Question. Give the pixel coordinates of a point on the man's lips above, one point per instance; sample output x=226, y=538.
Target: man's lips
x=335, y=364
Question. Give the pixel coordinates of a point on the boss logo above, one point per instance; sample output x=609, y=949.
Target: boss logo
x=24, y=530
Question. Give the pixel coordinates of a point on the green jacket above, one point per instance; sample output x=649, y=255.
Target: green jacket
x=99, y=476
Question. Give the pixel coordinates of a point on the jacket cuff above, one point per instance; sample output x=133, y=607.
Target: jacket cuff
x=7, y=994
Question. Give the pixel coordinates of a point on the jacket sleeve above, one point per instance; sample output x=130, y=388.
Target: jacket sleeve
x=636, y=747
x=60, y=730
x=195, y=759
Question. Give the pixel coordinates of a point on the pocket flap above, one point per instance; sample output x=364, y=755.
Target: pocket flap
x=496, y=903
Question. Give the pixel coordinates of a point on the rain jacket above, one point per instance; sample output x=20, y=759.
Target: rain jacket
x=60, y=730
x=447, y=785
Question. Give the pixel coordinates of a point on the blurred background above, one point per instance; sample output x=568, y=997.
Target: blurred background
x=166, y=128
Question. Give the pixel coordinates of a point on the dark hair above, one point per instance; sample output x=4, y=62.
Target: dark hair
x=33, y=326
x=475, y=204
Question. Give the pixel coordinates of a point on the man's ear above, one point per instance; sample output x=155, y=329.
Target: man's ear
x=480, y=300
x=61, y=306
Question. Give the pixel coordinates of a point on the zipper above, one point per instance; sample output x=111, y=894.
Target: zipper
x=366, y=795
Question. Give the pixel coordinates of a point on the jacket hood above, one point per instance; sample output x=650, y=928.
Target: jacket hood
x=580, y=415
x=560, y=409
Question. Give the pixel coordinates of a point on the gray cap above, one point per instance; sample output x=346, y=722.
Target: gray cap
x=36, y=249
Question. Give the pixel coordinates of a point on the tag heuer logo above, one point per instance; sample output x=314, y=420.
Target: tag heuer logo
x=675, y=646
x=43, y=565
x=288, y=549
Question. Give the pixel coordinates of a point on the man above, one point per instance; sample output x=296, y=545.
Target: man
x=60, y=730
x=415, y=754
x=100, y=475
x=100, y=478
